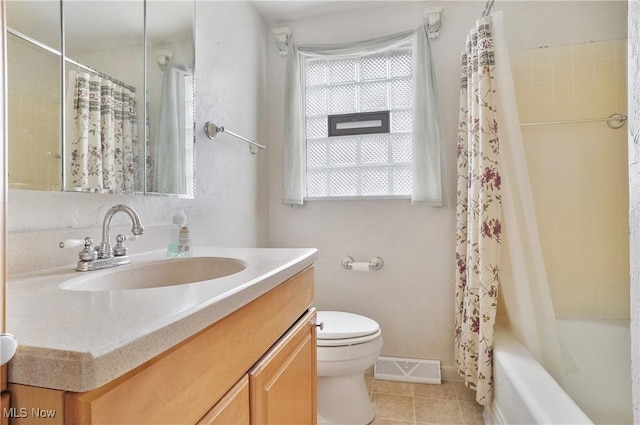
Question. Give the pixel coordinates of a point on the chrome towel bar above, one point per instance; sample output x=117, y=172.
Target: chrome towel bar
x=211, y=130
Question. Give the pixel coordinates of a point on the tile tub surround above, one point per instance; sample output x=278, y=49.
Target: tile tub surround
x=80, y=340
x=572, y=203
x=401, y=403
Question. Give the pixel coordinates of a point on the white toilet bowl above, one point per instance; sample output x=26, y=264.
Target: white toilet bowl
x=348, y=345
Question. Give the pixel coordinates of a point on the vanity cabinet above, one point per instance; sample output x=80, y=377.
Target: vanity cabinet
x=221, y=375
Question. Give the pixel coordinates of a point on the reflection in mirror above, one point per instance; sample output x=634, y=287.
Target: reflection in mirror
x=104, y=94
x=102, y=142
x=170, y=91
x=33, y=90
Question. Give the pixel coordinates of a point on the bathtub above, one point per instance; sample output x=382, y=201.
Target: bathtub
x=601, y=350
x=597, y=391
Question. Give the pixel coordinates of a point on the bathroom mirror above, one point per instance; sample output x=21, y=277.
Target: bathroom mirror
x=79, y=124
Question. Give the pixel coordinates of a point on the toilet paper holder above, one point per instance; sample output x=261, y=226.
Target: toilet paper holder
x=375, y=263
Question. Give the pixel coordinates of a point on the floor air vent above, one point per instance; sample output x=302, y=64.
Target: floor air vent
x=407, y=370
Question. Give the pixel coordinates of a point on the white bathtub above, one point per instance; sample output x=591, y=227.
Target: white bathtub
x=600, y=388
x=601, y=350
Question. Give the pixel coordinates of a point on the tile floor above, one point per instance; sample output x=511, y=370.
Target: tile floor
x=400, y=403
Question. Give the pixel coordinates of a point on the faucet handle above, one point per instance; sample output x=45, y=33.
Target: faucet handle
x=119, y=250
x=70, y=243
x=87, y=253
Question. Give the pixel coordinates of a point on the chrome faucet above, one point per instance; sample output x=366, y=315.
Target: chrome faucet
x=102, y=257
x=104, y=251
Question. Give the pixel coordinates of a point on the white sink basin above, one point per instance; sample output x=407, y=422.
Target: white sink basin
x=155, y=274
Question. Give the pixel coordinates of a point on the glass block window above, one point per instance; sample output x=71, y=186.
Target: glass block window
x=370, y=165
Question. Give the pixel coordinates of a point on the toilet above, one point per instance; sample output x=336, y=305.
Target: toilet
x=348, y=345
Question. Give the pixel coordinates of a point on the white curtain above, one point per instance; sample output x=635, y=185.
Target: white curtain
x=168, y=152
x=523, y=278
x=103, y=142
x=427, y=156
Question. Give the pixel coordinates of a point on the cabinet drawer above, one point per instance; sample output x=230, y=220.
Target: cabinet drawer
x=181, y=385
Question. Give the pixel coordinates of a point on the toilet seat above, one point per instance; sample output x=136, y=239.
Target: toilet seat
x=342, y=328
x=348, y=341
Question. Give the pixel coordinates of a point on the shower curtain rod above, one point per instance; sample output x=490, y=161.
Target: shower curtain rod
x=71, y=61
x=619, y=118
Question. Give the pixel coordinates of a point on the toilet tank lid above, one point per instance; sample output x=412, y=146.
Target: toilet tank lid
x=342, y=325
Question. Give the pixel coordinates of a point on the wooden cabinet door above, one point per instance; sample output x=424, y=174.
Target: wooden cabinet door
x=233, y=409
x=283, y=383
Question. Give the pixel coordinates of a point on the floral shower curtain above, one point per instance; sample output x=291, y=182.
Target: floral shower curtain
x=105, y=136
x=479, y=214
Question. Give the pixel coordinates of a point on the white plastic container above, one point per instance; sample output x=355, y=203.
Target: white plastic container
x=179, y=238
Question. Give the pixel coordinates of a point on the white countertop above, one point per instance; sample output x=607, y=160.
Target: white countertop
x=80, y=340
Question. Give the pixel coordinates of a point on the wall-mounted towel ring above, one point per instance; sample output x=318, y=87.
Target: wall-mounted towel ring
x=211, y=130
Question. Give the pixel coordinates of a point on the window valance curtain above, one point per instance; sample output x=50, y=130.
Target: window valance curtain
x=427, y=146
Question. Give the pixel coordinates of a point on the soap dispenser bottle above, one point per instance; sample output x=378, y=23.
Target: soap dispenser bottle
x=179, y=238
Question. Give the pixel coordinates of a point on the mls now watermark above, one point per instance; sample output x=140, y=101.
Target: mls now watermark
x=23, y=412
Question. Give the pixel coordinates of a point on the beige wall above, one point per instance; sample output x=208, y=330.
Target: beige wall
x=578, y=172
